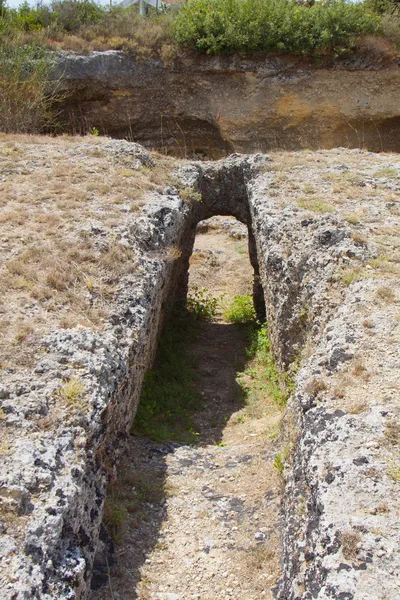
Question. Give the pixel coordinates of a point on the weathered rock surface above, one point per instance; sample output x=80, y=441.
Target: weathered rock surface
x=341, y=532
x=215, y=105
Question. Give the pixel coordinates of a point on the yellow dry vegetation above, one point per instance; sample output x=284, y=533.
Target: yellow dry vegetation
x=54, y=271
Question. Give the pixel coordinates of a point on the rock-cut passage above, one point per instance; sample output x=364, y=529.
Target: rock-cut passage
x=194, y=511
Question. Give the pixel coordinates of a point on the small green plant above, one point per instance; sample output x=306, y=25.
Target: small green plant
x=202, y=303
x=94, y=131
x=72, y=391
x=279, y=463
x=169, y=394
x=240, y=310
x=189, y=194
x=241, y=248
x=352, y=218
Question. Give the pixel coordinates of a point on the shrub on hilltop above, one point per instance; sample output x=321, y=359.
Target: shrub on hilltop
x=216, y=26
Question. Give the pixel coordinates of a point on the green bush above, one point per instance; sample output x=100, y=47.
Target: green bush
x=240, y=310
x=62, y=15
x=25, y=18
x=26, y=92
x=169, y=394
x=383, y=6
x=216, y=26
x=72, y=15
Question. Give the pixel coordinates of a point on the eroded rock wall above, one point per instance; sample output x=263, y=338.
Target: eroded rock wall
x=214, y=106
x=57, y=478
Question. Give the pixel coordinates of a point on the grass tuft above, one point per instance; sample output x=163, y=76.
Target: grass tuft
x=386, y=172
x=315, y=205
x=263, y=375
x=240, y=310
x=350, y=275
x=169, y=392
x=386, y=294
x=72, y=391
x=350, y=541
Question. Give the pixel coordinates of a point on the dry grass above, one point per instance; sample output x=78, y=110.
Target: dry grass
x=261, y=557
x=392, y=433
x=357, y=186
x=359, y=369
x=350, y=541
x=315, y=386
x=386, y=294
x=72, y=391
x=56, y=271
x=359, y=238
x=356, y=408
x=315, y=205
x=144, y=38
x=343, y=382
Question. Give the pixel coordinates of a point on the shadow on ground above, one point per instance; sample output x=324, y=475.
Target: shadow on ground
x=137, y=503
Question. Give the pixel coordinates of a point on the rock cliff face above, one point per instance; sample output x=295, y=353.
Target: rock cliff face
x=340, y=527
x=214, y=106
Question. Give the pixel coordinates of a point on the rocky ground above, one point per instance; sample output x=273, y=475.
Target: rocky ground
x=93, y=231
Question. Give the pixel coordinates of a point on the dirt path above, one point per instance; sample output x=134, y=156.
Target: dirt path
x=202, y=521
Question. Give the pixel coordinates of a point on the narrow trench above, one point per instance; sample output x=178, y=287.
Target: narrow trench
x=200, y=520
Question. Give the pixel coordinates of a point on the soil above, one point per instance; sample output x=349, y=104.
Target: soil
x=202, y=521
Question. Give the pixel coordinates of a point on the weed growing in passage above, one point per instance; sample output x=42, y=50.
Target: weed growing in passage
x=279, y=463
x=240, y=310
x=27, y=94
x=278, y=385
x=115, y=514
x=202, y=303
x=169, y=392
